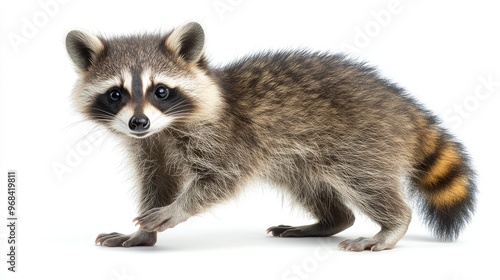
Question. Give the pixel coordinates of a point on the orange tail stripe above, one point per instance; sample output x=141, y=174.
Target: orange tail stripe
x=455, y=192
x=447, y=158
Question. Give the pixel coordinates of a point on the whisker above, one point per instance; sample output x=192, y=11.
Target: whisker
x=175, y=107
x=106, y=137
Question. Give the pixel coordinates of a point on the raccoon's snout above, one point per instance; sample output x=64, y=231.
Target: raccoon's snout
x=139, y=123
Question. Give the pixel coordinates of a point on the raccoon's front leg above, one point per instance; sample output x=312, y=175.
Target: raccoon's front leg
x=200, y=195
x=114, y=239
x=157, y=189
x=161, y=218
x=153, y=194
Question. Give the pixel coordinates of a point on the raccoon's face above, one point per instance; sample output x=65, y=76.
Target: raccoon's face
x=140, y=85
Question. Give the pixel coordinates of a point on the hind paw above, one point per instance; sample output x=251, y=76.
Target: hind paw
x=362, y=243
x=314, y=230
x=281, y=231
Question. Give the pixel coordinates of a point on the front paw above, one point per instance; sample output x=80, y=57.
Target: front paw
x=114, y=239
x=161, y=218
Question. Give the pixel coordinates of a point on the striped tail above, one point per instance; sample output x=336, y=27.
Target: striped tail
x=444, y=184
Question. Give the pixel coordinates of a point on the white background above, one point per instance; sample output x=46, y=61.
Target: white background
x=441, y=52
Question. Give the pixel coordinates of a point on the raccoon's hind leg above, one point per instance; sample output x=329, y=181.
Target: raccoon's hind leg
x=383, y=202
x=315, y=230
x=323, y=202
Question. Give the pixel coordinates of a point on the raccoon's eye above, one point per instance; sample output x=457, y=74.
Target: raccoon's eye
x=114, y=95
x=162, y=92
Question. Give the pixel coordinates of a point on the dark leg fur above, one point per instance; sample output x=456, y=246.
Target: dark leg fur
x=314, y=230
x=157, y=189
x=333, y=216
x=202, y=194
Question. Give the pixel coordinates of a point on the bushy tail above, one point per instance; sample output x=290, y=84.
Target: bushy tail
x=444, y=183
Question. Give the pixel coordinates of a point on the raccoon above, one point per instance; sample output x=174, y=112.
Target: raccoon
x=328, y=131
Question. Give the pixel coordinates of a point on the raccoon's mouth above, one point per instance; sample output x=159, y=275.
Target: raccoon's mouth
x=139, y=134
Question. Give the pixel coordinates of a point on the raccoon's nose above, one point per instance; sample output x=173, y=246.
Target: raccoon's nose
x=139, y=123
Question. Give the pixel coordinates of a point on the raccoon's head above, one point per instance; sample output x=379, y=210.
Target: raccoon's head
x=139, y=85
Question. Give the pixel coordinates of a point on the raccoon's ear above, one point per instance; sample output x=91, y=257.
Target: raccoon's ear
x=83, y=48
x=186, y=42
